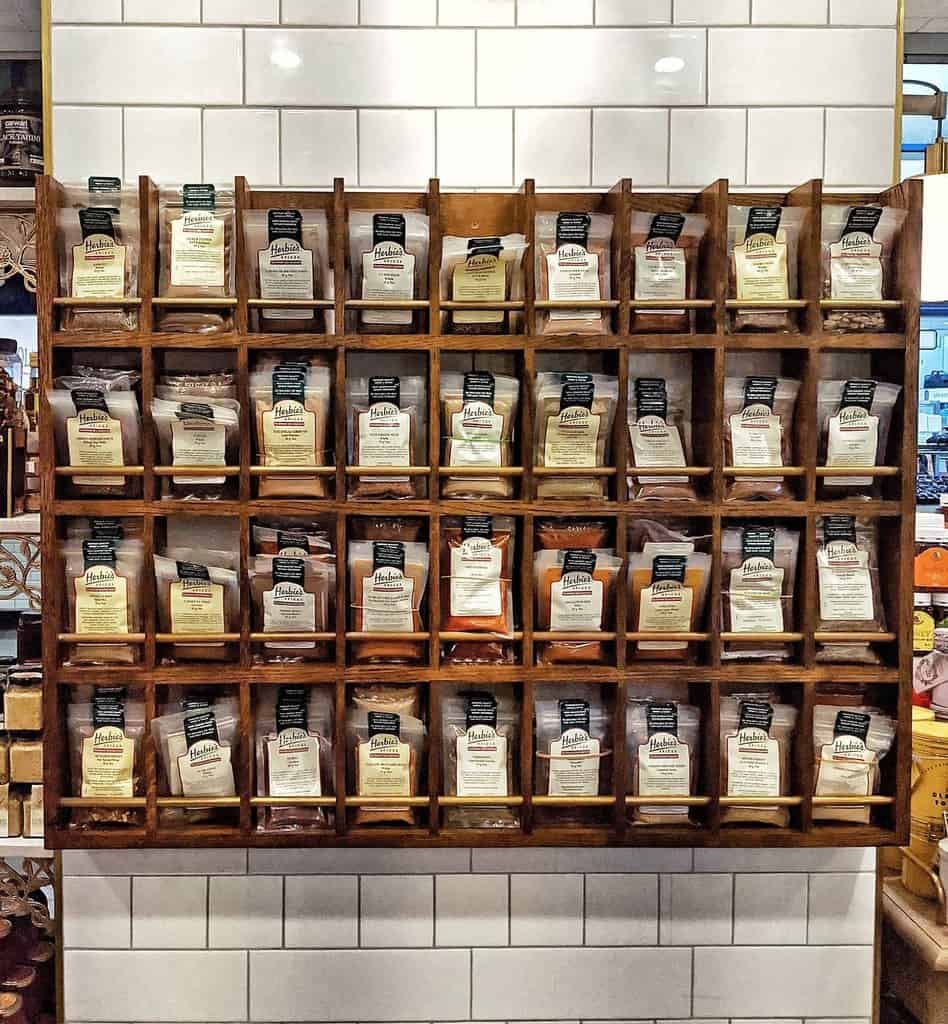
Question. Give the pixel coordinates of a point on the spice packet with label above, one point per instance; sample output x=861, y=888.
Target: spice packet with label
x=287, y=257
x=196, y=433
x=665, y=256
x=477, y=557
x=386, y=755
x=855, y=416
x=388, y=262
x=294, y=754
x=480, y=735
x=663, y=755
x=195, y=598
x=292, y=594
x=99, y=239
x=848, y=745
x=485, y=269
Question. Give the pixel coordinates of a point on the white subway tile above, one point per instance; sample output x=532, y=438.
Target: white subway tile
x=554, y=12
x=85, y=10
x=856, y=858
x=242, y=142
x=397, y=910
x=801, y=66
x=859, y=147
x=297, y=985
x=398, y=12
x=147, y=65
x=475, y=148
x=779, y=12
x=169, y=912
x=636, y=12
x=863, y=12
x=842, y=909
x=583, y=860
x=241, y=12
x=630, y=144
x=320, y=12
x=762, y=1020
x=87, y=140
x=520, y=984
x=154, y=862
x=552, y=146
x=245, y=912
x=770, y=910
x=97, y=912
x=321, y=912
x=357, y=862
x=712, y=12
x=784, y=145
x=164, y=143
x=171, y=12
x=707, y=144
x=476, y=12
x=837, y=1020
x=621, y=910
x=608, y=67
x=317, y=146
x=155, y=986
x=546, y=910
x=696, y=910
x=396, y=147
x=471, y=910
x=838, y=981
x=359, y=67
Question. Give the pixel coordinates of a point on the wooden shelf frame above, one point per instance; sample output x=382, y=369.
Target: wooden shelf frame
x=894, y=356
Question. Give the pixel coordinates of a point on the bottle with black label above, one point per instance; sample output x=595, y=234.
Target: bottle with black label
x=21, y=131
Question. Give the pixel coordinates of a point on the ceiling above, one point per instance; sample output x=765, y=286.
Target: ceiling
x=926, y=15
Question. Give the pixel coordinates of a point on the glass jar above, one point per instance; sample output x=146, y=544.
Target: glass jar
x=21, y=136
x=11, y=383
x=923, y=624
x=940, y=615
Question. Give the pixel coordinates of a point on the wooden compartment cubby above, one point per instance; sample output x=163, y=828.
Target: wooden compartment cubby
x=518, y=350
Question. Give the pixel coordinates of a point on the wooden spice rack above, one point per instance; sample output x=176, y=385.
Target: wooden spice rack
x=893, y=355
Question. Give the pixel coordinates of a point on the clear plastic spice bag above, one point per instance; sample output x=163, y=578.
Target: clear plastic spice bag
x=574, y=263
x=198, y=433
x=292, y=594
x=293, y=538
x=196, y=750
x=386, y=753
x=481, y=270
x=758, y=432
x=188, y=385
x=662, y=756
x=477, y=558
x=195, y=598
x=665, y=255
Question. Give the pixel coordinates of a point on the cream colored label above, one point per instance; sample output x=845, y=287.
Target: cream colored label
x=293, y=764
x=384, y=766
x=197, y=250
x=665, y=607
x=660, y=271
x=286, y=272
x=98, y=268
x=289, y=608
x=856, y=268
x=198, y=442
x=387, y=598
x=480, y=278
x=101, y=601
x=845, y=768
x=664, y=770
x=573, y=277
x=576, y=603
x=95, y=439
x=853, y=440
x=656, y=443
x=755, y=597
x=755, y=437
x=753, y=764
x=572, y=438
x=476, y=433
x=108, y=758
x=482, y=762
x=289, y=434
x=384, y=436
x=388, y=274
x=574, y=765
x=761, y=263
x=475, y=578
x=197, y=606
x=206, y=770
x=845, y=583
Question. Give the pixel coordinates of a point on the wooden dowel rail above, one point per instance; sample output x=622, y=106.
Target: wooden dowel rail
x=289, y=637
x=488, y=307
x=766, y=303
x=668, y=471
x=354, y=635
x=854, y=638
x=764, y=471
x=197, y=638
x=480, y=471
x=852, y=801
x=573, y=801
x=102, y=638
x=198, y=801
x=844, y=471
x=755, y=638
x=454, y=636
x=662, y=304
x=105, y=803
x=680, y=637
x=290, y=303
x=579, y=304
x=668, y=801
x=68, y=301
x=292, y=801
x=185, y=303
x=196, y=471
x=861, y=304
x=566, y=471
x=292, y=470
x=97, y=471
x=388, y=470
x=760, y=801
x=387, y=801
x=580, y=636
x=387, y=304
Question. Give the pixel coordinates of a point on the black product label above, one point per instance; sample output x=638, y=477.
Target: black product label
x=98, y=552
x=385, y=389
x=851, y=723
x=388, y=554
x=839, y=527
x=388, y=227
x=483, y=246
x=108, y=709
x=195, y=411
x=651, y=398
x=284, y=224
x=289, y=384
x=88, y=398
x=288, y=570
x=666, y=225
x=481, y=709
x=572, y=229
x=763, y=220
x=96, y=220
x=293, y=695
x=477, y=526
x=198, y=728
x=574, y=714
x=99, y=184
x=195, y=702
x=669, y=568
x=758, y=542
x=662, y=717
x=192, y=571
x=858, y=392
x=292, y=710
x=864, y=219
x=579, y=560
x=290, y=540
x=103, y=528
x=199, y=197
x=384, y=722
x=479, y=387
x=760, y=391
x=578, y=389
x=755, y=714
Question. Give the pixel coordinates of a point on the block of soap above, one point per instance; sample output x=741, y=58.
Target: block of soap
x=23, y=708
x=26, y=761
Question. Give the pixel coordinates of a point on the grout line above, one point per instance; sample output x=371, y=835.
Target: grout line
x=207, y=912
x=247, y=962
x=733, y=907
x=131, y=908
x=591, y=155
x=509, y=909
x=283, y=915
x=358, y=911
x=806, y=903
x=692, y=981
